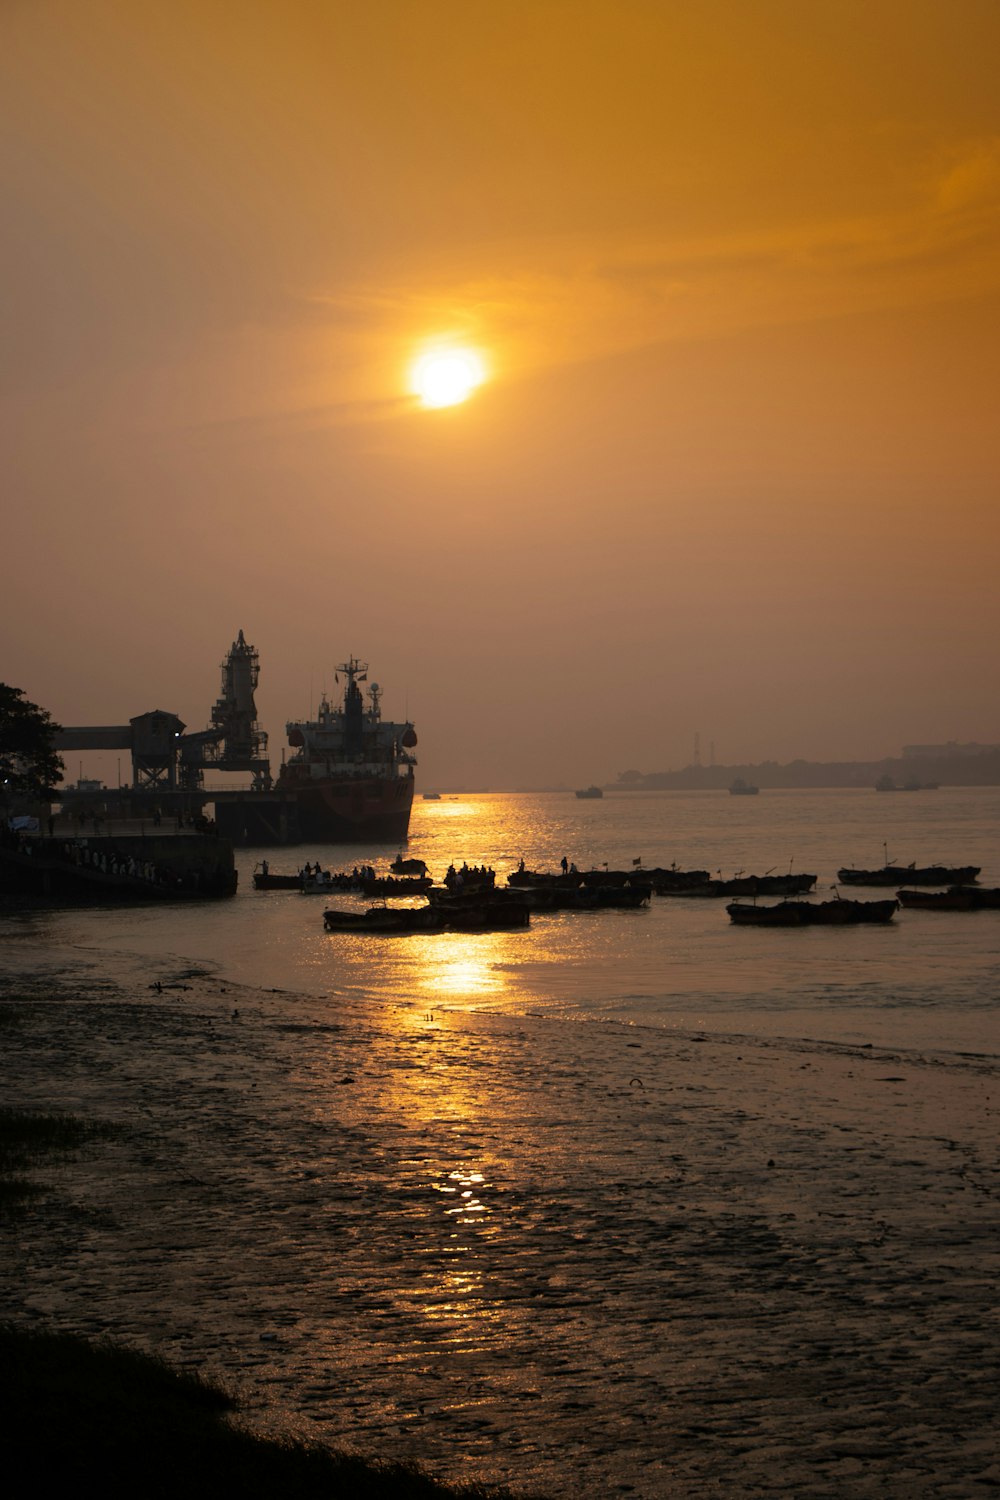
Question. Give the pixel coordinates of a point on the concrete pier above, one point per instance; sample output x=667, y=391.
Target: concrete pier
x=117, y=864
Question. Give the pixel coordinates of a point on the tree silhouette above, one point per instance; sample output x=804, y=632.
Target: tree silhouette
x=29, y=765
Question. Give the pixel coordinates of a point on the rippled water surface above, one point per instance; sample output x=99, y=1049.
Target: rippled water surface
x=932, y=979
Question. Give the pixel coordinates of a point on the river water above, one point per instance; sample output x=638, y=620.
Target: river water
x=930, y=980
x=630, y=1203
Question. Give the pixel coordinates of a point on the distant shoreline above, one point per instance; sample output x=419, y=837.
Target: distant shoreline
x=809, y=775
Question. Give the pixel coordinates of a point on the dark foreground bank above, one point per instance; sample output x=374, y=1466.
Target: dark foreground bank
x=99, y=1414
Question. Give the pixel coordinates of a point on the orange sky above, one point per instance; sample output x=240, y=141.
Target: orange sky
x=735, y=268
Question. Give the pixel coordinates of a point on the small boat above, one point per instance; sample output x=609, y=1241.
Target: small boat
x=741, y=788
x=401, y=866
x=263, y=880
x=318, y=885
x=470, y=878
x=837, y=913
x=396, y=885
x=431, y=796
x=582, y=890
x=480, y=911
x=462, y=916
x=956, y=898
x=891, y=874
x=307, y=879
x=590, y=791
x=670, y=882
x=383, y=920
x=748, y=885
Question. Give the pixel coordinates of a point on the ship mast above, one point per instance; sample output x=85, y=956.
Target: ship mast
x=354, y=709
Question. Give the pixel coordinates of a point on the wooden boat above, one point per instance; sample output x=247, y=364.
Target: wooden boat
x=956, y=898
x=750, y=885
x=396, y=885
x=669, y=882
x=468, y=914
x=837, y=913
x=911, y=875
x=269, y=882
x=582, y=890
x=462, y=916
x=470, y=878
x=401, y=866
x=383, y=920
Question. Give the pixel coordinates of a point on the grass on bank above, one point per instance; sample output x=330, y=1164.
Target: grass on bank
x=100, y=1415
x=26, y=1137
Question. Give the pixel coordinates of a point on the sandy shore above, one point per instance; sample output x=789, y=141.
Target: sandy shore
x=586, y=1258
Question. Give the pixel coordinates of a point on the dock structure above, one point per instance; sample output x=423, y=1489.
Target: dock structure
x=116, y=865
x=167, y=764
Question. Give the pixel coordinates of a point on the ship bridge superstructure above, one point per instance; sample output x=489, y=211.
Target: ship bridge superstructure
x=350, y=738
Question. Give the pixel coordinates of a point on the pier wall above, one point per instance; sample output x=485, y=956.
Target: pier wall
x=117, y=866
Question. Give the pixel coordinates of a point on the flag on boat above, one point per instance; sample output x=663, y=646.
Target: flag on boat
x=638, y=861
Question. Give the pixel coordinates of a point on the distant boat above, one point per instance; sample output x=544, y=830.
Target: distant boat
x=886, y=784
x=741, y=788
x=590, y=791
x=431, y=796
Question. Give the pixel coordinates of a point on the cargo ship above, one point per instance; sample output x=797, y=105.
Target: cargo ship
x=348, y=780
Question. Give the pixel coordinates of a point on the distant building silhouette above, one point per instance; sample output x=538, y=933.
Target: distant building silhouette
x=946, y=752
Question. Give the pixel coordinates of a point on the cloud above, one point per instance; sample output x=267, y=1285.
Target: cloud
x=563, y=300
x=971, y=184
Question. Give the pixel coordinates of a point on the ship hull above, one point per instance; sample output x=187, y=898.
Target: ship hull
x=369, y=810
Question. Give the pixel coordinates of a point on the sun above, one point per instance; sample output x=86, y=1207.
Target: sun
x=446, y=377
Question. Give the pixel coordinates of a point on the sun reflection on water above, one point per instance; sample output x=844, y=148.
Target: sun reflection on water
x=467, y=966
x=452, y=808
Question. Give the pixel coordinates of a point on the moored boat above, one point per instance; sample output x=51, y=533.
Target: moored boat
x=263, y=880
x=891, y=874
x=741, y=788
x=956, y=898
x=455, y=915
x=588, y=792
x=582, y=890
x=396, y=885
x=383, y=920
x=749, y=885
x=837, y=913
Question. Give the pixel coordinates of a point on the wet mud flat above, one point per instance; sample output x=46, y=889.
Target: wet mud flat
x=584, y=1258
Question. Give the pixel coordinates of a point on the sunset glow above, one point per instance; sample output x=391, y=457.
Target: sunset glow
x=529, y=322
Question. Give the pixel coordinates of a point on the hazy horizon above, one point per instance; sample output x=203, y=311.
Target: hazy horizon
x=734, y=275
